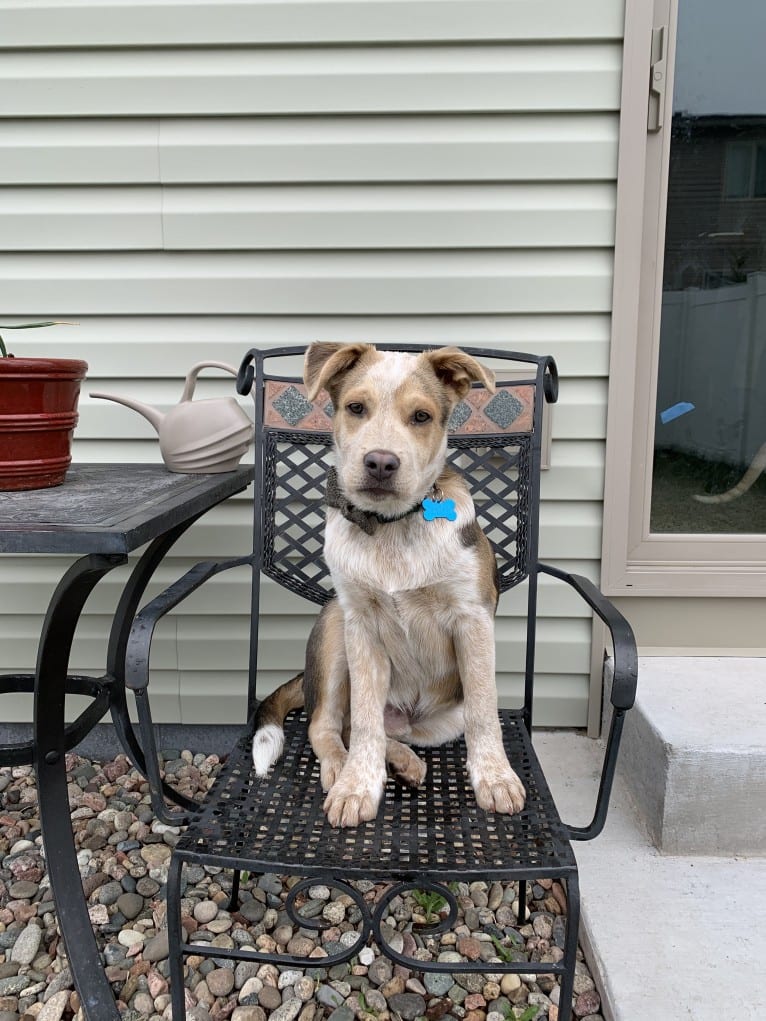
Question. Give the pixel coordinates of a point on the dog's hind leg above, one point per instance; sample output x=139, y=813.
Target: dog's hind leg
x=440, y=727
x=404, y=763
x=326, y=736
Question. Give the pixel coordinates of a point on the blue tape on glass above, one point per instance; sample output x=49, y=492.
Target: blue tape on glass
x=675, y=411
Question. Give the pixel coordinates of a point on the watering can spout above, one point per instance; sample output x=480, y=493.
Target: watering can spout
x=150, y=413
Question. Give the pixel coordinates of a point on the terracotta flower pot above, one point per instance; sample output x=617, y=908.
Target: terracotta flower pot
x=38, y=413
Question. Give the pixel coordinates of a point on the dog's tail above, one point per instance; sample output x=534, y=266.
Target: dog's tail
x=751, y=476
x=269, y=737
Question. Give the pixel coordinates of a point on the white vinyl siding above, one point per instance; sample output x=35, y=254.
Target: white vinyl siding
x=187, y=180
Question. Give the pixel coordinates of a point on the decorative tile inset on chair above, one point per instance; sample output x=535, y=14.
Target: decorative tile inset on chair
x=504, y=409
x=459, y=416
x=292, y=405
x=286, y=406
x=509, y=409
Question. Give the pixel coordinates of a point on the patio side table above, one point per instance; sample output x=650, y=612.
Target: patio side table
x=100, y=514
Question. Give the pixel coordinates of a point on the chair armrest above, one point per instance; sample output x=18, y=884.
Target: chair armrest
x=139, y=642
x=623, y=689
x=137, y=678
x=623, y=639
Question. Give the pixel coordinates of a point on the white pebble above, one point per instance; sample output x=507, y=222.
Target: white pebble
x=304, y=989
x=253, y=985
x=55, y=1007
x=334, y=912
x=366, y=956
x=205, y=911
x=161, y=827
x=288, y=978
x=220, y=925
x=22, y=845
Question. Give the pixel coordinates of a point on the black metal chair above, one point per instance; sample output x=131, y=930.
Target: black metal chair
x=421, y=838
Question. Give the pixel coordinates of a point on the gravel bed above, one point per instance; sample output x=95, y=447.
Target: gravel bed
x=124, y=854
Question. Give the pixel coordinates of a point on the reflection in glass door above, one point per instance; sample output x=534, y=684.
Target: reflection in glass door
x=710, y=435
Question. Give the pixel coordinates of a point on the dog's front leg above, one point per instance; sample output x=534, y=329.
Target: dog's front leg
x=355, y=795
x=497, y=787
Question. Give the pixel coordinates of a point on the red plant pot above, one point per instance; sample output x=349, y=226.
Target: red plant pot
x=38, y=413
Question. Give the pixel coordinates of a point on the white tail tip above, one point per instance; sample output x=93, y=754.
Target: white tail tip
x=268, y=743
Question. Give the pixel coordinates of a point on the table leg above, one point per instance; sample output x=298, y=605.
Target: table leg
x=50, y=766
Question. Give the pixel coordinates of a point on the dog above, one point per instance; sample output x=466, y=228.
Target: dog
x=405, y=652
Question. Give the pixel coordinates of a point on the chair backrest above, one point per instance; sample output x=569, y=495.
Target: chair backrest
x=495, y=441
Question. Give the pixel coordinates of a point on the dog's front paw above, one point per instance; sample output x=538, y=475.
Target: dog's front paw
x=353, y=800
x=497, y=788
x=330, y=770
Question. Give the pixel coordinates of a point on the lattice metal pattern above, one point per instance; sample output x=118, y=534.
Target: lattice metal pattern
x=498, y=472
x=277, y=824
x=496, y=468
x=294, y=478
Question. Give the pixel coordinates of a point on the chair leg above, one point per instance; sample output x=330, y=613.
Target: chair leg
x=234, y=898
x=175, y=957
x=522, y=916
x=570, y=947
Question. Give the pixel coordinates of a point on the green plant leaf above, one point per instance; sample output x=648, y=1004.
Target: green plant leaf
x=504, y=953
x=29, y=326
x=429, y=901
x=35, y=326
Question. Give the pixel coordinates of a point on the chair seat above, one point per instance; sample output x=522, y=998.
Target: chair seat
x=276, y=823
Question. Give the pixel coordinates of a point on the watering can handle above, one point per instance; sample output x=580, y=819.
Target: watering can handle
x=191, y=376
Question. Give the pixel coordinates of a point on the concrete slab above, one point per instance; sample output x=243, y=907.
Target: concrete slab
x=694, y=754
x=668, y=938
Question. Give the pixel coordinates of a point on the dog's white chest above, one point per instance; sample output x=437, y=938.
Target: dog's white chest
x=416, y=555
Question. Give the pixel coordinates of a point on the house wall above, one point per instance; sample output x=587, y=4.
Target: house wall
x=189, y=180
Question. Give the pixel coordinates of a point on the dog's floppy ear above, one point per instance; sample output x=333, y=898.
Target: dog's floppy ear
x=325, y=361
x=458, y=370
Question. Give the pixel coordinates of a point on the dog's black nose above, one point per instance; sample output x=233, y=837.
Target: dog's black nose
x=381, y=464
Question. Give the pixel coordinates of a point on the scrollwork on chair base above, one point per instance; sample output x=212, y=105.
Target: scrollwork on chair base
x=372, y=923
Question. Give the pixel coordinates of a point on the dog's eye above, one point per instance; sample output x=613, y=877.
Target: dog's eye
x=355, y=408
x=421, y=417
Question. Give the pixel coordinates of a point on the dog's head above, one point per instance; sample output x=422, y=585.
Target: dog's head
x=391, y=415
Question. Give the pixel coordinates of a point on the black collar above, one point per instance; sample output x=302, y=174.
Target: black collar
x=368, y=521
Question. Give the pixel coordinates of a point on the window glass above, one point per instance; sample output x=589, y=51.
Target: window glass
x=709, y=471
x=759, y=189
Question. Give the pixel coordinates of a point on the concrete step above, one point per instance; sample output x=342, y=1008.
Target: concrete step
x=667, y=938
x=694, y=754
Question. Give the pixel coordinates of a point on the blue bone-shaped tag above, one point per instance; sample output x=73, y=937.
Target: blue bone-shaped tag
x=433, y=509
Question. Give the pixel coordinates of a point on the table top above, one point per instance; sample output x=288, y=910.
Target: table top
x=110, y=508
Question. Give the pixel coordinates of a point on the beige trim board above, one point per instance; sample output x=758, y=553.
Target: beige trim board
x=673, y=626
x=661, y=652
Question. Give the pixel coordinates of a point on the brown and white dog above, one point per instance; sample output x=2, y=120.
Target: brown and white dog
x=405, y=653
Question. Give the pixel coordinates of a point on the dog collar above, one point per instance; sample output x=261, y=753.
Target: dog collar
x=433, y=506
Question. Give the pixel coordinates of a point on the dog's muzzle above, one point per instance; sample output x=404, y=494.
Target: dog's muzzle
x=381, y=465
